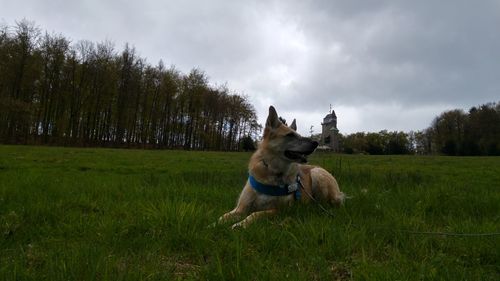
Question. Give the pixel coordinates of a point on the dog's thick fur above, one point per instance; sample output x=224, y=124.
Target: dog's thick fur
x=278, y=160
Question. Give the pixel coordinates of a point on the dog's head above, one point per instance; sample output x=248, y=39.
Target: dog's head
x=285, y=142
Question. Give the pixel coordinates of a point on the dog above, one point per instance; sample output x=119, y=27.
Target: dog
x=278, y=175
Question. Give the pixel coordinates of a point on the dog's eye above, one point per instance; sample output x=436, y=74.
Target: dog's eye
x=290, y=135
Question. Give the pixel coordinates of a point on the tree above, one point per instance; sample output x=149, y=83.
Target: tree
x=477, y=132
x=247, y=144
x=449, y=132
x=19, y=70
x=397, y=143
x=53, y=92
x=482, y=131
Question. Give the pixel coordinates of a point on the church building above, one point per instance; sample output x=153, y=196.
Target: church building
x=329, y=132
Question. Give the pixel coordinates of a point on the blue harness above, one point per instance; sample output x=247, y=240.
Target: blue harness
x=277, y=190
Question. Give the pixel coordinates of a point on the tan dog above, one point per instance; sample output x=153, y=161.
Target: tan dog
x=276, y=178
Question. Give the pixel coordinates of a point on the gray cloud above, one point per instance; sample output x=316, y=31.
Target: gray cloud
x=382, y=64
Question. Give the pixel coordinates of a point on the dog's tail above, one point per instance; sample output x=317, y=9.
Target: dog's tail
x=339, y=198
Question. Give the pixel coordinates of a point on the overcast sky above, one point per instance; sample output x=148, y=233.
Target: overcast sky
x=381, y=64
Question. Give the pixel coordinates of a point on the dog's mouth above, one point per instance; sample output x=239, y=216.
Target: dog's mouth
x=298, y=156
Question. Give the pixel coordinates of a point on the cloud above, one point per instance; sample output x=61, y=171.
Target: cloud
x=382, y=64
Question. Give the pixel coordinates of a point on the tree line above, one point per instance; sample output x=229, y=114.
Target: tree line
x=454, y=132
x=87, y=94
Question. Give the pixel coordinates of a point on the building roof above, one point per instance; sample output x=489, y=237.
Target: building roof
x=331, y=114
x=330, y=117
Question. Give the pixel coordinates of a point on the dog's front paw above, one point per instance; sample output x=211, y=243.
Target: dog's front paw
x=239, y=225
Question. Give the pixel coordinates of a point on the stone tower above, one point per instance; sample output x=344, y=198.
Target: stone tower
x=329, y=131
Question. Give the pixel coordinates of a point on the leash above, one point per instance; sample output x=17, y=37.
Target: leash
x=451, y=234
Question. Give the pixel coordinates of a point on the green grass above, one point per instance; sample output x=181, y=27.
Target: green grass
x=106, y=214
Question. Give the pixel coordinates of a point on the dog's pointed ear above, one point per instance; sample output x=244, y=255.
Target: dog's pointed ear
x=272, y=119
x=294, y=125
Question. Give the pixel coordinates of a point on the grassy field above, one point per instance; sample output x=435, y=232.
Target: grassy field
x=106, y=214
